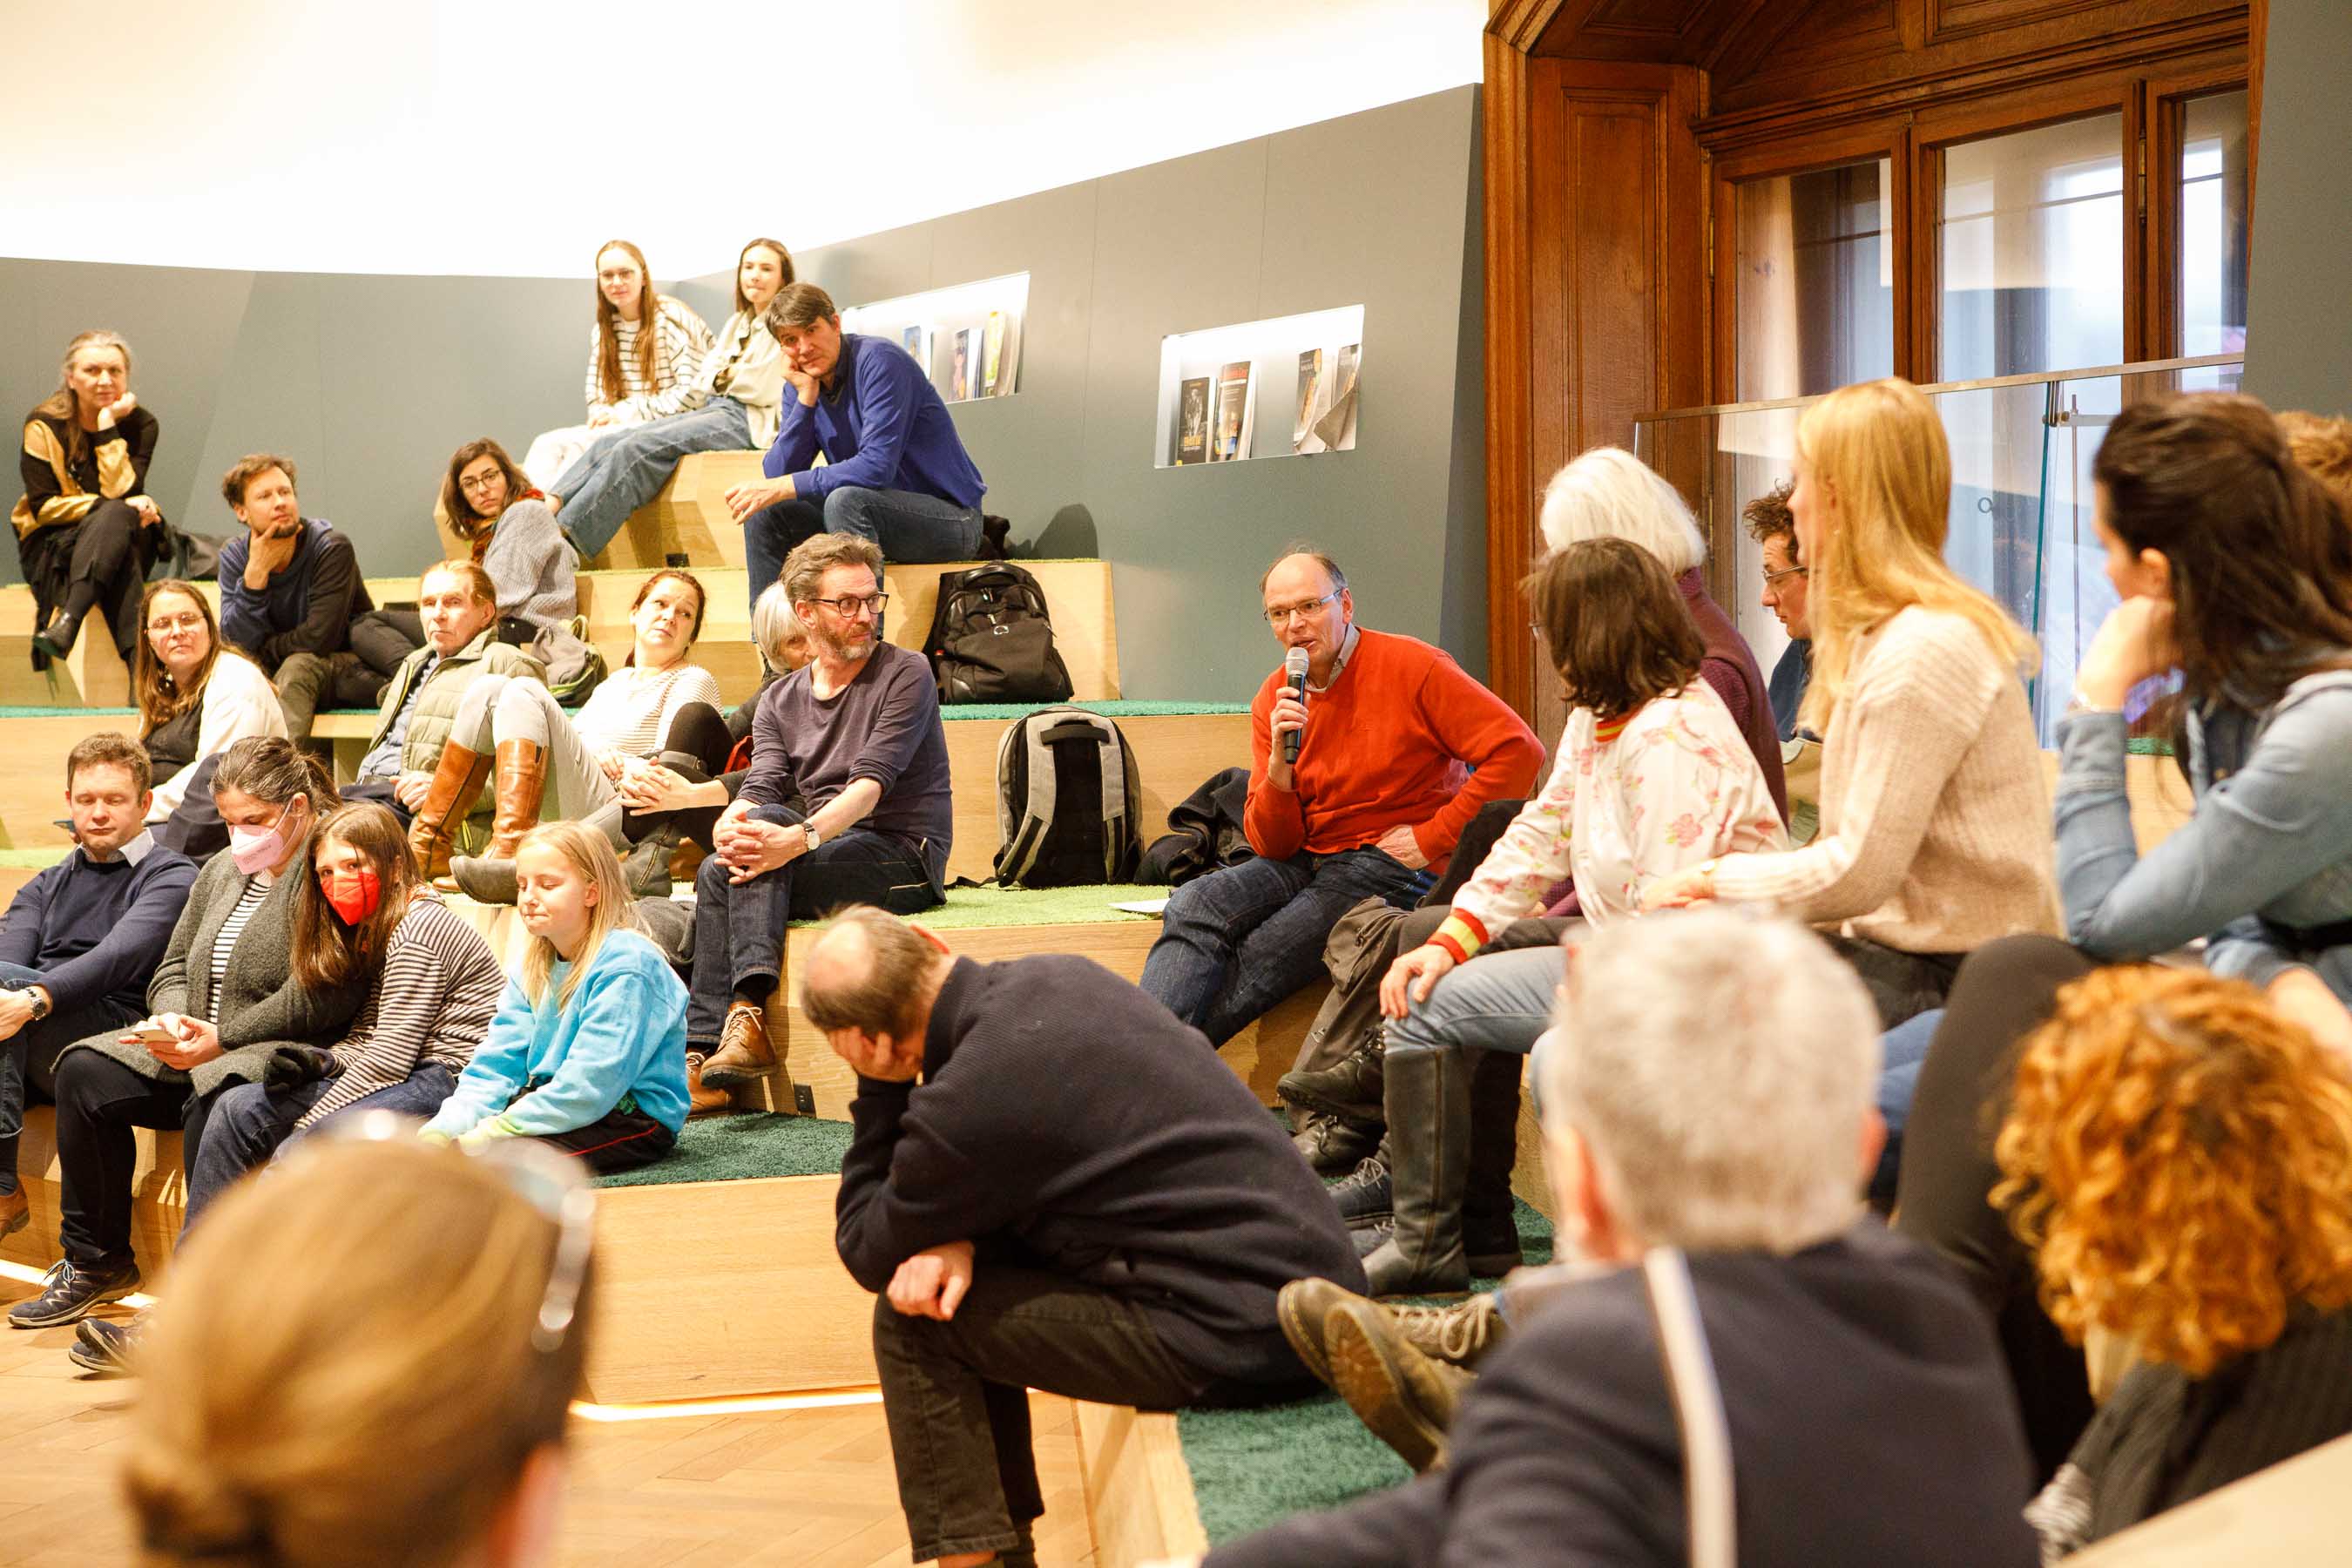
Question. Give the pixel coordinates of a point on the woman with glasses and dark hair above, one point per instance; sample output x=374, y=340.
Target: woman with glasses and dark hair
x=198, y=697
x=301, y=1410
x=554, y=765
x=221, y=1003
x=503, y=520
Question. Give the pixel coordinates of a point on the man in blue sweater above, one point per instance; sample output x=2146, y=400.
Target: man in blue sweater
x=1051, y=1185
x=896, y=472
x=289, y=592
x=80, y=941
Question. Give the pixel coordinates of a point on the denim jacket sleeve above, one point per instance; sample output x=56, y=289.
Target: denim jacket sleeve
x=2254, y=835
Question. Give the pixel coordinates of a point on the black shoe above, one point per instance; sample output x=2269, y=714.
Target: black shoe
x=645, y=869
x=1348, y=1087
x=70, y=1292
x=105, y=1348
x=57, y=639
x=1492, y=1243
x=1363, y=1197
x=483, y=880
x=1369, y=1236
x=1335, y=1145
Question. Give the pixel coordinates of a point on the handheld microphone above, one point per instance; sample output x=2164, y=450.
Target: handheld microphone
x=1294, y=664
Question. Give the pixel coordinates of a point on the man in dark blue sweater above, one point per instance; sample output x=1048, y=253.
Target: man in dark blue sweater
x=896, y=472
x=289, y=593
x=1074, y=1197
x=81, y=940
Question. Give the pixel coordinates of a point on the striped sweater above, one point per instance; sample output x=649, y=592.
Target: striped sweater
x=1935, y=819
x=433, y=1003
x=631, y=708
x=680, y=338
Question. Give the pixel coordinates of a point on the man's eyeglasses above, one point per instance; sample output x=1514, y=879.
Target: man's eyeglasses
x=1772, y=577
x=555, y=1185
x=848, y=606
x=1280, y=614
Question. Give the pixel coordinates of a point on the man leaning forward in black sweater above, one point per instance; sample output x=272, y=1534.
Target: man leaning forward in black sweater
x=1707, y=1089
x=1047, y=1192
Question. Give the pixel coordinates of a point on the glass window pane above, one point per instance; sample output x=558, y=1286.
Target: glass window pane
x=2032, y=239
x=1816, y=281
x=2212, y=308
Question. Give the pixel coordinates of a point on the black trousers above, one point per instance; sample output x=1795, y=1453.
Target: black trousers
x=99, y=563
x=2004, y=991
x=99, y=1102
x=620, y=1139
x=700, y=740
x=955, y=1395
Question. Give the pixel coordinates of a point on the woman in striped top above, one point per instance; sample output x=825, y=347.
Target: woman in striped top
x=224, y=1002
x=364, y=912
x=559, y=766
x=633, y=375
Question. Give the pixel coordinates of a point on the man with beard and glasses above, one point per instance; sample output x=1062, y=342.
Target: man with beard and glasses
x=846, y=803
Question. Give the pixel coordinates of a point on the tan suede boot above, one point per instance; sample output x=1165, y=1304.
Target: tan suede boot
x=456, y=783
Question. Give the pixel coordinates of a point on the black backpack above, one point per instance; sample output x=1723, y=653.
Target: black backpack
x=991, y=640
x=1068, y=801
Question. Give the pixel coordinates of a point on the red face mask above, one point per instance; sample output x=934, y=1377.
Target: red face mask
x=353, y=894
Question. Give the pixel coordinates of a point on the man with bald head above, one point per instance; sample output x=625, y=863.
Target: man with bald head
x=1396, y=748
x=1046, y=1191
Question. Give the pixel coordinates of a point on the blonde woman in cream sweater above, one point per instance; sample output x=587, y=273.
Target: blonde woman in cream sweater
x=1934, y=818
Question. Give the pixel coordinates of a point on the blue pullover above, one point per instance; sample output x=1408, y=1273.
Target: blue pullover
x=882, y=427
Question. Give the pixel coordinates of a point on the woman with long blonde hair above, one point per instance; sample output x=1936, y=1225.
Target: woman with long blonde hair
x=2174, y=1153
x=1934, y=822
x=587, y=1053
x=85, y=527
x=198, y=697
x=643, y=349
x=367, y=1361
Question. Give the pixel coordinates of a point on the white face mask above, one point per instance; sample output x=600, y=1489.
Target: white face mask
x=257, y=849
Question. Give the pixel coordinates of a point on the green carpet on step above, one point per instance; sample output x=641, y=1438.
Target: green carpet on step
x=742, y=1147
x=1252, y=1468
x=993, y=906
x=1110, y=708
x=28, y=711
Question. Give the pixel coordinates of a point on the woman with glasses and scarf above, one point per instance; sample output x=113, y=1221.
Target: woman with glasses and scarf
x=223, y=1000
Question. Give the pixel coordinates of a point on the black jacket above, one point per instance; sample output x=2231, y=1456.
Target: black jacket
x=1069, y=1116
x=1871, y=1424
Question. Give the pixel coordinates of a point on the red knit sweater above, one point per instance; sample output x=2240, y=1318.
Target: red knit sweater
x=1393, y=742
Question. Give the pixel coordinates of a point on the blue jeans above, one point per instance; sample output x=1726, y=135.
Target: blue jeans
x=31, y=1054
x=623, y=472
x=249, y=1123
x=1904, y=1050
x=739, y=927
x=906, y=524
x=1236, y=943
x=1497, y=1002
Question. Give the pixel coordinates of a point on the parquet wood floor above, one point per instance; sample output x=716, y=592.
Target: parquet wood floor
x=808, y=1488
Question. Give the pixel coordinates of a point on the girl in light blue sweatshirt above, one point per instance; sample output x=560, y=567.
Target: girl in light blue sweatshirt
x=587, y=1052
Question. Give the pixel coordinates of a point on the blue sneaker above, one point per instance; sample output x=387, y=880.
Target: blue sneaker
x=104, y=1347
x=70, y=1292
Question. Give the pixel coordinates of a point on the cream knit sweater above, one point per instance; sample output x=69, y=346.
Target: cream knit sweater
x=1934, y=817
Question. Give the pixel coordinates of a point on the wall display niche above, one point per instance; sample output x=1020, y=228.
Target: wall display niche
x=1286, y=386
x=967, y=337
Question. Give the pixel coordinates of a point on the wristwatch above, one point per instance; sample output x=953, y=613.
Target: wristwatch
x=808, y=831
x=40, y=1000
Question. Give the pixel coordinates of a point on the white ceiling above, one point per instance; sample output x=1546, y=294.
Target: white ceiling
x=512, y=137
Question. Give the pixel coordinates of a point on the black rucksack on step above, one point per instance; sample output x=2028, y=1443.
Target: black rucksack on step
x=1068, y=801
x=991, y=640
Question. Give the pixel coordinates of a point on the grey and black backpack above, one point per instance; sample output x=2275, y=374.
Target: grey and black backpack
x=1067, y=804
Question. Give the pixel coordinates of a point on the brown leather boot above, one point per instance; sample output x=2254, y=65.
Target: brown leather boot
x=521, y=785
x=701, y=1100
x=456, y=783
x=744, y=1051
x=1406, y=1399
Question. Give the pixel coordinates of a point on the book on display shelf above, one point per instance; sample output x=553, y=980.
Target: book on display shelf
x=994, y=357
x=960, y=367
x=1193, y=421
x=1310, y=391
x=918, y=344
x=1235, y=409
x=1336, y=427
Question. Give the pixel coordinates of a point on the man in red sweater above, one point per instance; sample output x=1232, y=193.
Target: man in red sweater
x=1398, y=749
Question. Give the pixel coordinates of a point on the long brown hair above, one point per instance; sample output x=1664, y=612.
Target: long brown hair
x=464, y=520
x=299, y=1409
x=609, y=376
x=59, y=405
x=272, y=768
x=159, y=698
x=2260, y=561
x=743, y=305
x=1615, y=624
x=327, y=952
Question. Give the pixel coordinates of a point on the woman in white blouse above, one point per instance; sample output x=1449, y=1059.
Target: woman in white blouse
x=560, y=766
x=197, y=696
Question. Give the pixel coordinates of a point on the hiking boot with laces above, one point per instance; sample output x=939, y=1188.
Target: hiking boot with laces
x=1405, y=1398
x=106, y=1348
x=70, y=1291
x=1459, y=1335
x=744, y=1052
x=1364, y=1198
x=1351, y=1087
x=1334, y=1145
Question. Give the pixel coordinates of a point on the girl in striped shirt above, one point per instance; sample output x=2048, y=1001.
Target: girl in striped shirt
x=362, y=911
x=642, y=353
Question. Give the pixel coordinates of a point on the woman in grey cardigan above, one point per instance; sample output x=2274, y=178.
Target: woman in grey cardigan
x=221, y=1003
